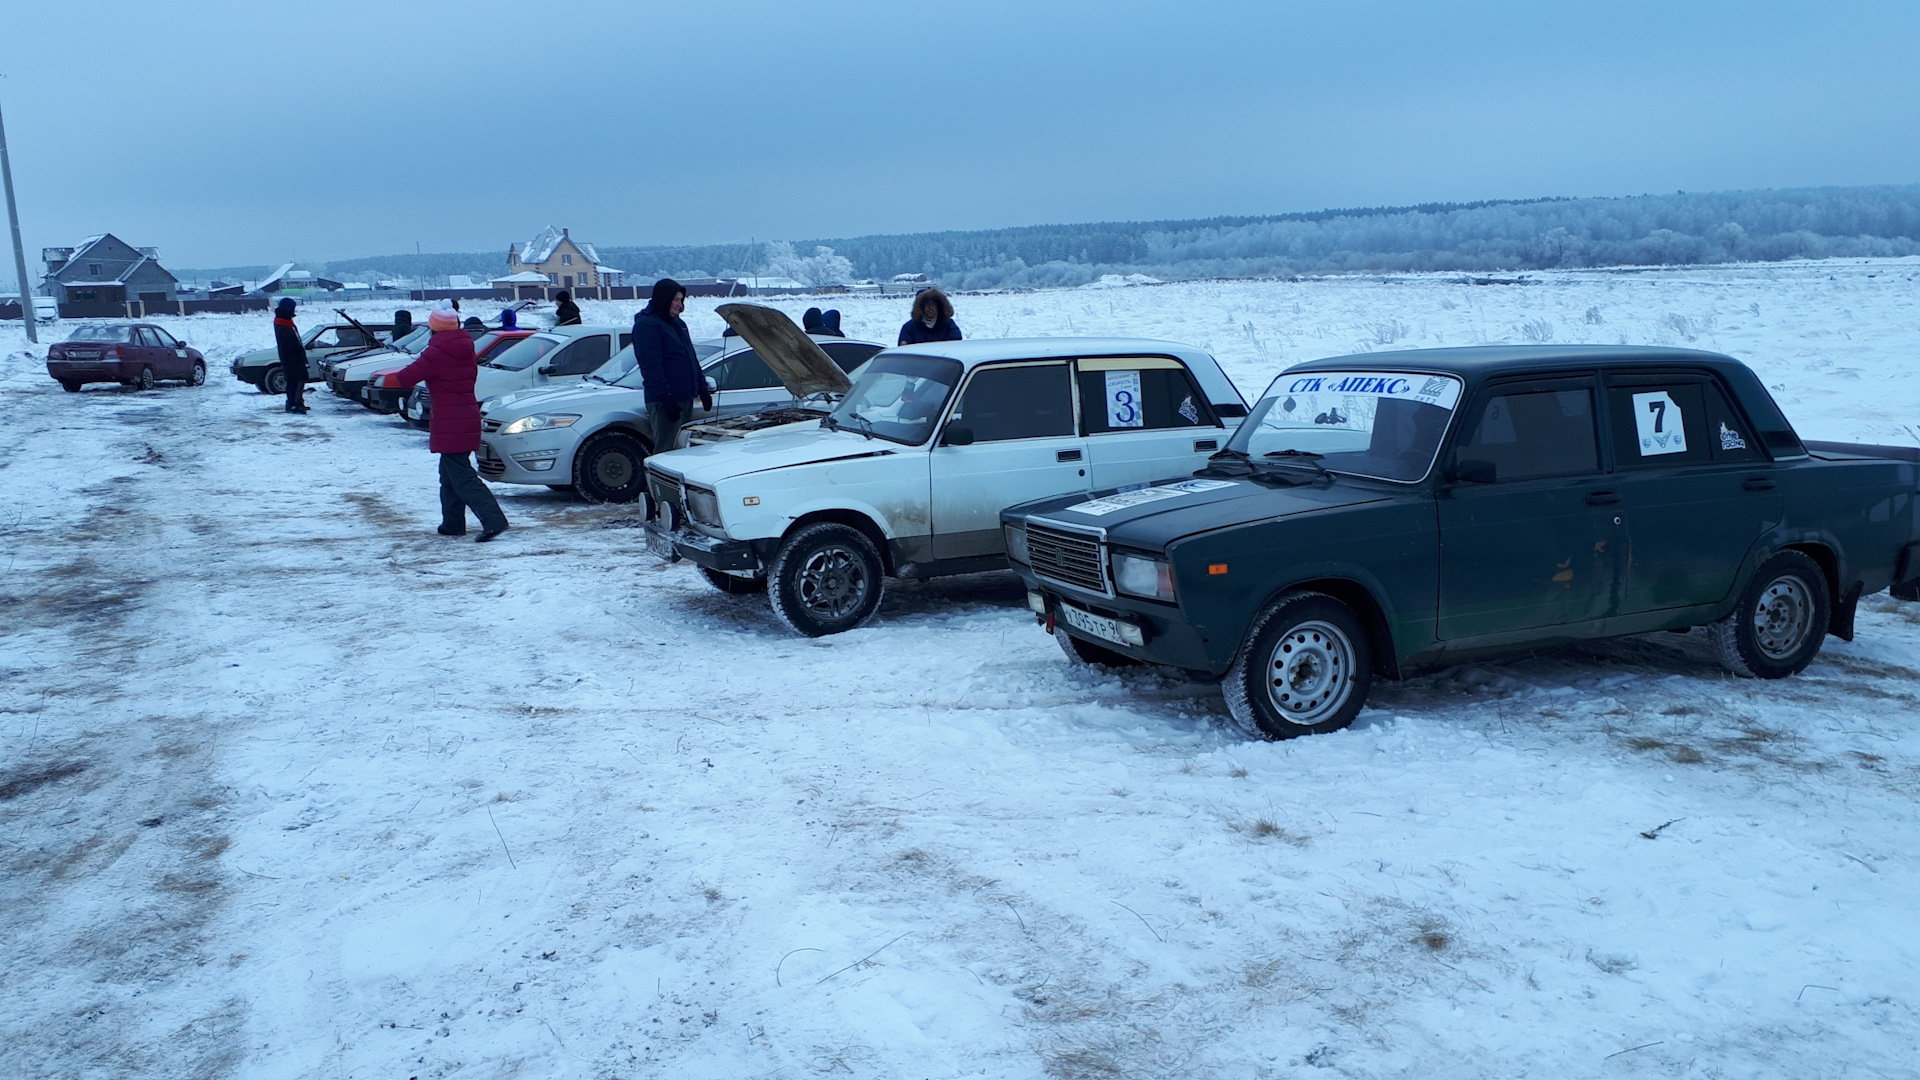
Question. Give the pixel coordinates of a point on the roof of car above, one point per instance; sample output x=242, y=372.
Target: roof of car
x=1486, y=361
x=984, y=350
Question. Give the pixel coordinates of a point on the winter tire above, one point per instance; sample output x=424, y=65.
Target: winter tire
x=825, y=580
x=1086, y=652
x=70, y=387
x=735, y=584
x=1304, y=669
x=1780, y=622
x=198, y=376
x=145, y=381
x=610, y=468
x=274, y=381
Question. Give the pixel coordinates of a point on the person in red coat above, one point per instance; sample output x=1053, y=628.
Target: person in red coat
x=448, y=368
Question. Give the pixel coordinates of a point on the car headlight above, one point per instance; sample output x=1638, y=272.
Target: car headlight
x=1141, y=575
x=703, y=506
x=1017, y=544
x=539, y=422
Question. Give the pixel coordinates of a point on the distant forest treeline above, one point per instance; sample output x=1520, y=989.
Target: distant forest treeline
x=1663, y=230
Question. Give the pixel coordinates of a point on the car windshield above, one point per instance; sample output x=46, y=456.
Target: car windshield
x=1383, y=424
x=414, y=340
x=100, y=332
x=621, y=370
x=526, y=353
x=898, y=398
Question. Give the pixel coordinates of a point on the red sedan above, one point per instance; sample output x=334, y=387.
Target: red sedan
x=381, y=394
x=131, y=354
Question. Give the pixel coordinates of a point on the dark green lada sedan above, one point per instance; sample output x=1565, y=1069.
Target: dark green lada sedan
x=1382, y=513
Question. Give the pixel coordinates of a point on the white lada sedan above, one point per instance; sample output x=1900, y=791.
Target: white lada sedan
x=908, y=475
x=592, y=434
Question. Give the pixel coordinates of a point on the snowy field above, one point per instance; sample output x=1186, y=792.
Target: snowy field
x=292, y=787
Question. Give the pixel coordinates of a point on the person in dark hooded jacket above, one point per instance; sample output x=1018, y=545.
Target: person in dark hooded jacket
x=565, y=311
x=670, y=373
x=810, y=321
x=293, y=354
x=932, y=319
x=509, y=319
x=402, y=324
x=830, y=323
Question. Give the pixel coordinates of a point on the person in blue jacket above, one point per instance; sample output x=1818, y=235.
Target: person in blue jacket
x=932, y=319
x=670, y=374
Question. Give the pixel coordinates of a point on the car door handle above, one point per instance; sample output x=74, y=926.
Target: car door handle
x=1206, y=444
x=1067, y=455
x=1602, y=498
x=1756, y=483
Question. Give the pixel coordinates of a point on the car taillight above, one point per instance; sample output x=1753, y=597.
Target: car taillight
x=113, y=353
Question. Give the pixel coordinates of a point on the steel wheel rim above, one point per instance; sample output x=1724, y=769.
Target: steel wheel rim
x=1309, y=673
x=1782, y=617
x=199, y=376
x=613, y=470
x=833, y=583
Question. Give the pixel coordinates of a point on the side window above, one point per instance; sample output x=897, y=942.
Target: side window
x=848, y=355
x=1657, y=423
x=1022, y=401
x=1532, y=433
x=1728, y=433
x=626, y=339
x=743, y=370
x=327, y=339
x=352, y=336
x=583, y=356
x=1140, y=393
x=144, y=336
x=163, y=339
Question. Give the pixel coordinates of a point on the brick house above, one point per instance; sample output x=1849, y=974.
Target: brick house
x=561, y=259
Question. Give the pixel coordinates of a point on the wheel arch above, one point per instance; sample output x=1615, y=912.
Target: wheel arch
x=1359, y=597
x=851, y=518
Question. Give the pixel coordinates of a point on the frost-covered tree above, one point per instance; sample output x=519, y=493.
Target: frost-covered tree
x=822, y=267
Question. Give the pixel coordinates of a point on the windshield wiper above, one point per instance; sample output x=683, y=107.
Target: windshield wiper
x=866, y=427
x=1291, y=453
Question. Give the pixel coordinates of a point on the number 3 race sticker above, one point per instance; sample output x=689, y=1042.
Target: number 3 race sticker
x=1123, y=399
x=1657, y=419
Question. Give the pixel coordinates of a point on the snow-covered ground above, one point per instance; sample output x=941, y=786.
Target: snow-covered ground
x=290, y=786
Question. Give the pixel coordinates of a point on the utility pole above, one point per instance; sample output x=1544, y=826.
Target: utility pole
x=27, y=311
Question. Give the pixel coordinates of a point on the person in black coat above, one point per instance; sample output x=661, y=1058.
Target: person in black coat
x=670, y=374
x=402, y=324
x=565, y=311
x=932, y=319
x=293, y=355
x=810, y=321
x=830, y=323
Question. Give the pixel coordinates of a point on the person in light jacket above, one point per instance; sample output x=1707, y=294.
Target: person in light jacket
x=293, y=354
x=932, y=319
x=448, y=367
x=670, y=374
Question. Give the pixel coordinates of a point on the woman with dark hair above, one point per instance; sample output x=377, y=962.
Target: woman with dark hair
x=566, y=312
x=670, y=373
x=448, y=368
x=932, y=319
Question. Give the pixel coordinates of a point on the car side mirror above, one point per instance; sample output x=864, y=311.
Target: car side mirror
x=712, y=386
x=547, y=369
x=1472, y=471
x=957, y=435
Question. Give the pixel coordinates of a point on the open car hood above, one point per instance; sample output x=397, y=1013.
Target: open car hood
x=803, y=367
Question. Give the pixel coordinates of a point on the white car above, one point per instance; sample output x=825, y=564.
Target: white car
x=593, y=435
x=908, y=475
x=560, y=356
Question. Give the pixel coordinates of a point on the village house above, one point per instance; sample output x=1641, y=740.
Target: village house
x=558, y=259
x=108, y=269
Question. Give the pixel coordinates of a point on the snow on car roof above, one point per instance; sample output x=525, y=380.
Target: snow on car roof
x=984, y=350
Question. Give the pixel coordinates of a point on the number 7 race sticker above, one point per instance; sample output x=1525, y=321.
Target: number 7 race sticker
x=1657, y=420
x=1123, y=399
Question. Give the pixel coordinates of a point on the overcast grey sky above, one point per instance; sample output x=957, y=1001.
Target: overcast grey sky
x=229, y=133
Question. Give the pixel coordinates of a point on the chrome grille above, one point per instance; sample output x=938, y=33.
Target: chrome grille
x=665, y=489
x=1070, y=558
x=489, y=426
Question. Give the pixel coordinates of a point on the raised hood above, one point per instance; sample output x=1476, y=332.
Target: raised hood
x=799, y=444
x=803, y=367
x=1160, y=513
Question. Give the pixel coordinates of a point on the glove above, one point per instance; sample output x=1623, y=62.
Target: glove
x=706, y=400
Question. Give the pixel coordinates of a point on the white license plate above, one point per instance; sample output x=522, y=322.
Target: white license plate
x=1087, y=622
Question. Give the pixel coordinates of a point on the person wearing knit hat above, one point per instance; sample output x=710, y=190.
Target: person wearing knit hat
x=448, y=367
x=670, y=375
x=293, y=355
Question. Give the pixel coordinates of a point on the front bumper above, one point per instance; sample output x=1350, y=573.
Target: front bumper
x=346, y=388
x=521, y=464
x=1167, y=637
x=384, y=399
x=714, y=553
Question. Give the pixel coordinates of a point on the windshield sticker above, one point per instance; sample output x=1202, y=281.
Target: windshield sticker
x=1123, y=399
x=1429, y=389
x=1730, y=439
x=1122, y=500
x=1659, y=423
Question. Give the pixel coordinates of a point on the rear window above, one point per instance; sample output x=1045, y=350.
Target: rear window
x=100, y=332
